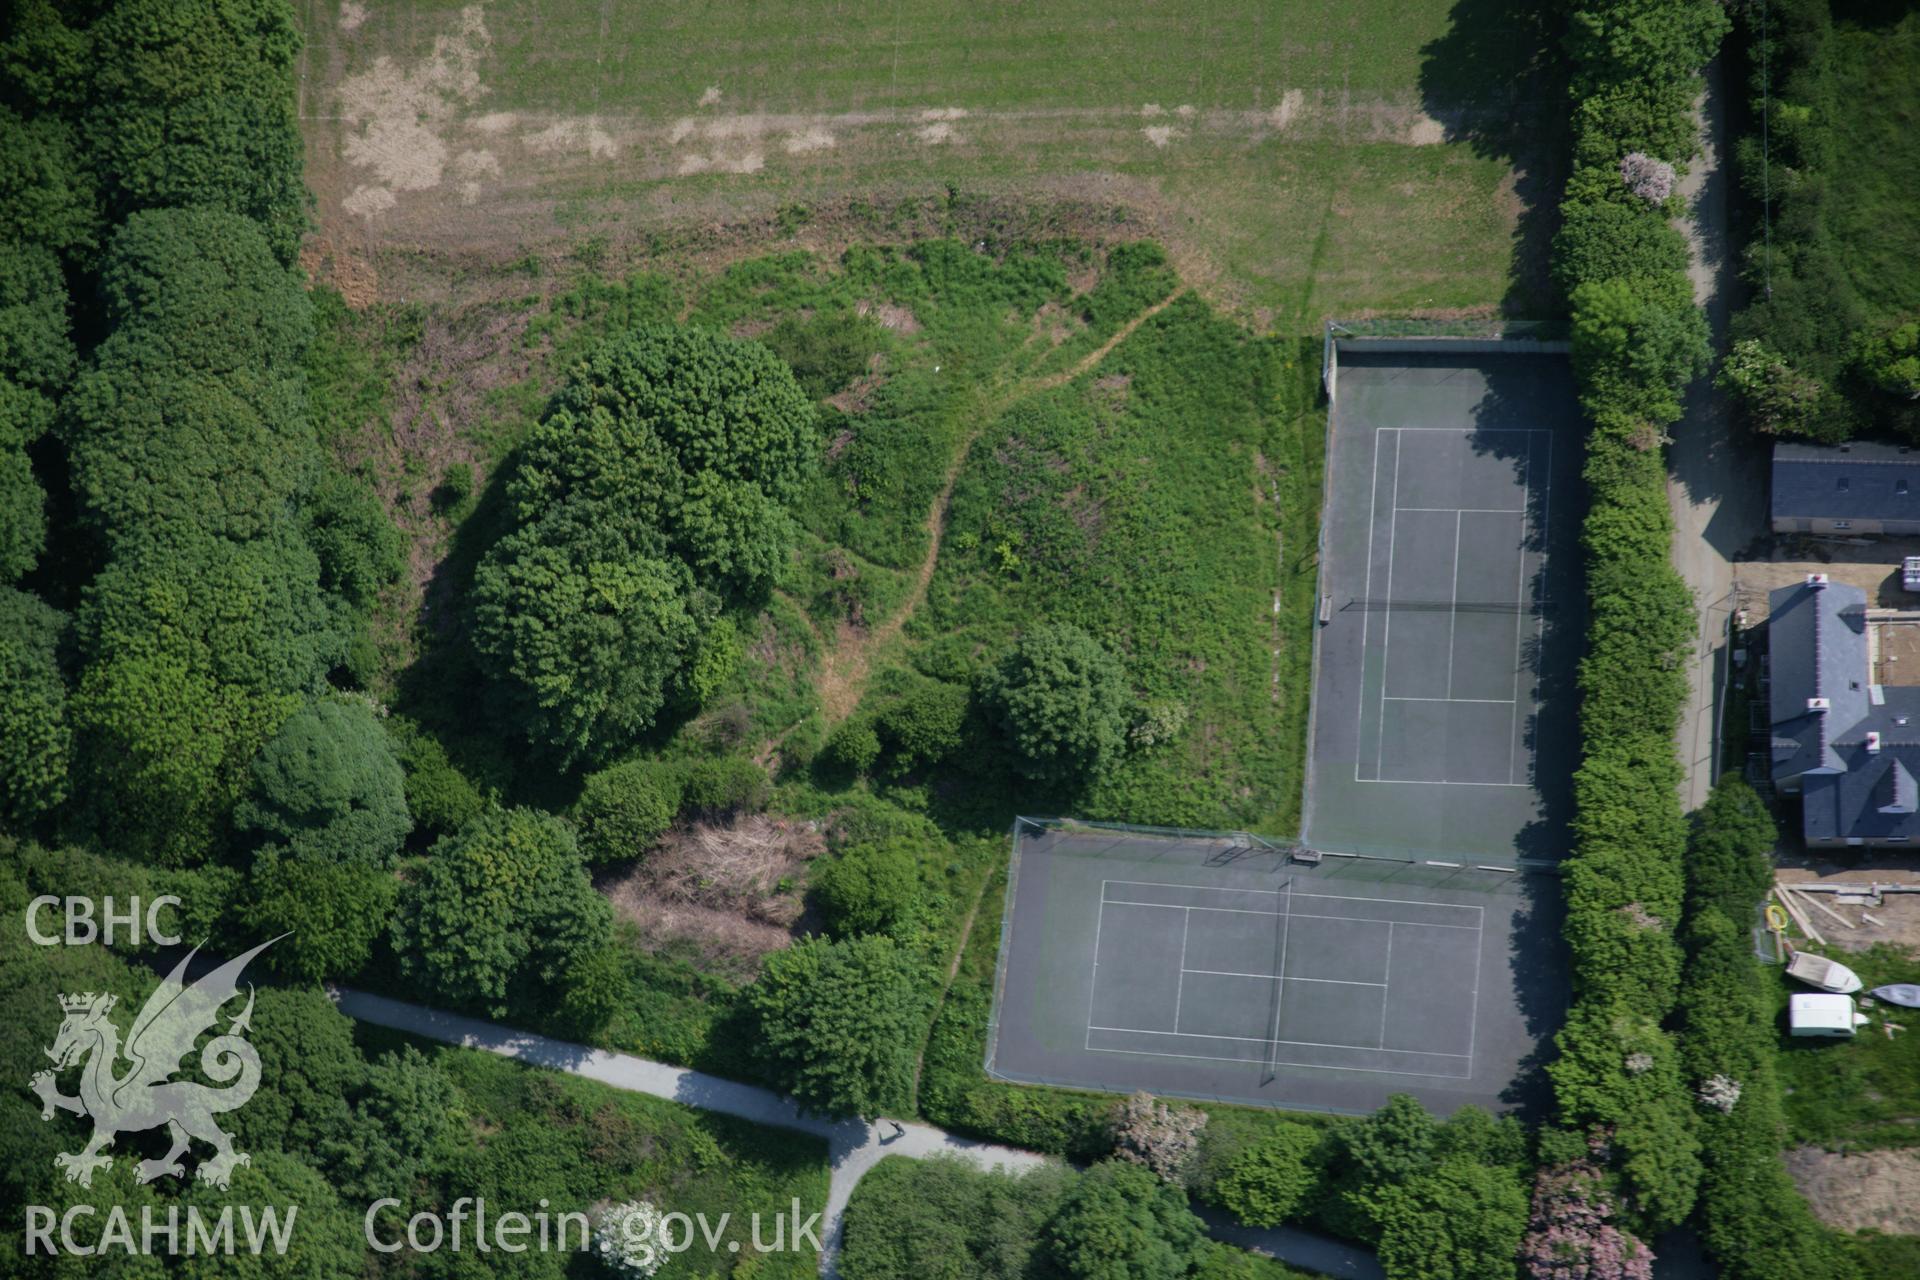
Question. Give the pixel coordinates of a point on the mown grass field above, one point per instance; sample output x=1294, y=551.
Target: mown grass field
x=1298, y=159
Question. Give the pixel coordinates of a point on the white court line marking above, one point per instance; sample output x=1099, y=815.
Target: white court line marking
x=1373, y=503
x=1303, y=1044
x=1310, y=1066
x=1303, y=915
x=1284, y=977
x=1389, y=972
x=1473, y=1008
x=1287, y=895
x=1498, y=702
x=1386, y=628
x=1180, y=983
x=1093, y=982
x=1453, y=604
x=1290, y=893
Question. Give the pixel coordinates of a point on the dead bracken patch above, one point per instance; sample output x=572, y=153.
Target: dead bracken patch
x=729, y=889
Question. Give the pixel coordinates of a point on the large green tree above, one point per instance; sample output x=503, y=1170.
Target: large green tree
x=1463, y=1221
x=47, y=195
x=192, y=417
x=326, y=788
x=941, y=1219
x=193, y=104
x=36, y=362
x=584, y=630
x=650, y=496
x=34, y=736
x=197, y=651
x=332, y=913
x=838, y=1023
x=1121, y=1222
x=1061, y=700
x=500, y=913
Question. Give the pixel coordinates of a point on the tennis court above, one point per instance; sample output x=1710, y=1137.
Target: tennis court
x=1443, y=721
x=1198, y=966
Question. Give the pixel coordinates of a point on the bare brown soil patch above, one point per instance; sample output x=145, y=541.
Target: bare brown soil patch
x=1874, y=1190
x=353, y=277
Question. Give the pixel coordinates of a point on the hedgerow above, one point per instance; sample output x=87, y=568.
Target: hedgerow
x=1752, y=1217
x=1638, y=339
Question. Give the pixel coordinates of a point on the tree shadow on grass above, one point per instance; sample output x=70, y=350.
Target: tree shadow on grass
x=1497, y=81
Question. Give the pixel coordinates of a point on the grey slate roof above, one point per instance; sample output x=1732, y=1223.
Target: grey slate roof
x=1858, y=481
x=1853, y=786
x=1817, y=642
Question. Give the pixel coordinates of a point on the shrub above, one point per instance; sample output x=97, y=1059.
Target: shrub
x=326, y=788
x=851, y=749
x=1462, y=1221
x=34, y=737
x=1778, y=399
x=499, y=914
x=1161, y=1136
x=622, y=810
x=1061, y=702
x=1607, y=240
x=1752, y=1218
x=944, y=1219
x=838, y=1024
x=334, y=911
x=1570, y=1233
x=869, y=888
x=1269, y=1182
x=1119, y=1222
x=921, y=723
x=1890, y=359
x=732, y=784
x=454, y=490
x=438, y=795
x=1646, y=177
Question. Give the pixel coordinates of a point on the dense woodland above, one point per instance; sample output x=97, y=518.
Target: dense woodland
x=200, y=696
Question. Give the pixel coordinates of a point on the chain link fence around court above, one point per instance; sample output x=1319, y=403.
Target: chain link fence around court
x=1484, y=334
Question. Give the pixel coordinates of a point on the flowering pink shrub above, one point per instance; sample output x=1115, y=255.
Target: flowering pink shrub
x=1650, y=179
x=1570, y=1237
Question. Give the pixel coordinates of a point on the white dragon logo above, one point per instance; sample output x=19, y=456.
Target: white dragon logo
x=146, y=1096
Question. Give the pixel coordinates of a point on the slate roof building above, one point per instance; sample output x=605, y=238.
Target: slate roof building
x=1854, y=488
x=1848, y=747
